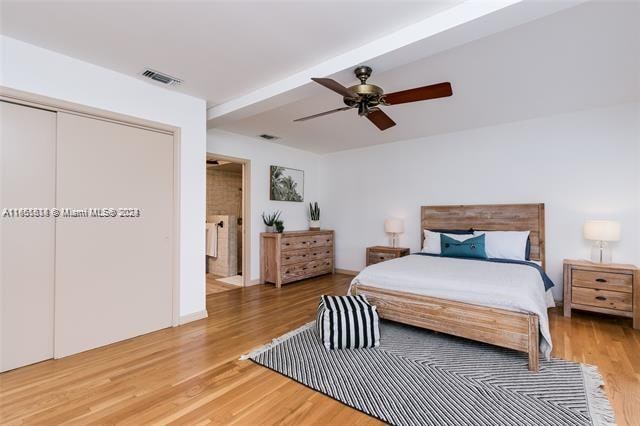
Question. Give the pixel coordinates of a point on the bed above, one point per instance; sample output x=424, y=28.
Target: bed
x=515, y=318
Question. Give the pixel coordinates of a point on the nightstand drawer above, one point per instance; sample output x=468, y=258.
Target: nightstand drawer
x=602, y=280
x=379, y=254
x=602, y=298
x=376, y=257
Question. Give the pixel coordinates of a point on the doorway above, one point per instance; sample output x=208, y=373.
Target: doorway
x=226, y=253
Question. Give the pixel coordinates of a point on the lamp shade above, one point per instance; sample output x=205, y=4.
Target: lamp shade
x=394, y=226
x=602, y=230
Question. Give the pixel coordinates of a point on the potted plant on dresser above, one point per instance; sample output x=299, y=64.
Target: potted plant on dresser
x=270, y=220
x=314, y=217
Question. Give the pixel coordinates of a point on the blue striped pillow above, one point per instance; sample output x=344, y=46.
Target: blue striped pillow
x=347, y=322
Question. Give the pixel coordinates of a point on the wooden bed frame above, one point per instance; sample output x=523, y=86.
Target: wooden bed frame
x=500, y=327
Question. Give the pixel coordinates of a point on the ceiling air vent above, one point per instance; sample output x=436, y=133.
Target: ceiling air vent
x=161, y=77
x=268, y=137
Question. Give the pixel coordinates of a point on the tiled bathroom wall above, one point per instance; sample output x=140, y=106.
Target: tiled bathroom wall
x=224, y=198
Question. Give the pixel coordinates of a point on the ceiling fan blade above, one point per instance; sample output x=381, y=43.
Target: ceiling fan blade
x=323, y=113
x=434, y=91
x=380, y=119
x=336, y=87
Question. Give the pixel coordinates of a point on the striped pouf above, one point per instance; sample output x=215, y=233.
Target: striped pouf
x=347, y=322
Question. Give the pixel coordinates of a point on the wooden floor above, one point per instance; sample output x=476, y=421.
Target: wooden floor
x=191, y=374
x=215, y=286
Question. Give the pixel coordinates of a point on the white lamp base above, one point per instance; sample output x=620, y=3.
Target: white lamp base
x=394, y=240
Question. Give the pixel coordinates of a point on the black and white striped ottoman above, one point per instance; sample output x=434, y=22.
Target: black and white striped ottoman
x=347, y=322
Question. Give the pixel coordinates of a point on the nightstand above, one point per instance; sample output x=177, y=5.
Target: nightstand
x=608, y=288
x=379, y=254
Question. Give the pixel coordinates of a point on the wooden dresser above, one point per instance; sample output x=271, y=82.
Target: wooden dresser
x=605, y=288
x=379, y=254
x=293, y=256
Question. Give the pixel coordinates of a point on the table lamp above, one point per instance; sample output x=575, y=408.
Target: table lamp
x=394, y=226
x=601, y=232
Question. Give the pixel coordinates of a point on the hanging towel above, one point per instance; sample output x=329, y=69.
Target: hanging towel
x=212, y=240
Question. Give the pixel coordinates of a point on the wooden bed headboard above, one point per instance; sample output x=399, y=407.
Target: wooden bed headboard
x=489, y=217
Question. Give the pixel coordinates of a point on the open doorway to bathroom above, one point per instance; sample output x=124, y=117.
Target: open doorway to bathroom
x=227, y=198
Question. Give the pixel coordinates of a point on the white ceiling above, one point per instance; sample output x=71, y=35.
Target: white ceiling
x=584, y=57
x=220, y=49
x=236, y=55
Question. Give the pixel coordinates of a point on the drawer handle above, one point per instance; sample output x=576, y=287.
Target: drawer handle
x=381, y=257
x=304, y=255
x=314, y=241
x=287, y=244
x=304, y=269
x=287, y=258
x=601, y=280
x=601, y=298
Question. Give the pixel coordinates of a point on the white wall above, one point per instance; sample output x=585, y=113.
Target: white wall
x=262, y=155
x=32, y=69
x=582, y=165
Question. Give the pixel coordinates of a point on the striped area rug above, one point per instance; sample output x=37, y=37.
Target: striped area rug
x=417, y=377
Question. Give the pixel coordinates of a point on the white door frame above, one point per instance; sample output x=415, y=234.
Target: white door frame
x=57, y=105
x=246, y=211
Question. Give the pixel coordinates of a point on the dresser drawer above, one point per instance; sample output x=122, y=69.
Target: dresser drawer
x=307, y=269
x=602, y=280
x=295, y=255
x=303, y=255
x=295, y=243
x=602, y=298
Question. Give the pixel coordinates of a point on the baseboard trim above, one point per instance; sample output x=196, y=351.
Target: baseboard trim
x=347, y=272
x=194, y=316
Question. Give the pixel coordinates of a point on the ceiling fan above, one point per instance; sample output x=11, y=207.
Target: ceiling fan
x=367, y=98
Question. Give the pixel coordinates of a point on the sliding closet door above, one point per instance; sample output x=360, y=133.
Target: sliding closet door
x=27, y=180
x=113, y=274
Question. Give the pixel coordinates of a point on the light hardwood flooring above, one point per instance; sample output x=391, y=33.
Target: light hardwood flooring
x=215, y=286
x=191, y=374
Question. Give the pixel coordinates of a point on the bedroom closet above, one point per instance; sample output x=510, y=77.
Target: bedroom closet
x=224, y=227
x=86, y=231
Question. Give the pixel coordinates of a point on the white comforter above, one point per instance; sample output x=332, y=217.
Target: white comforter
x=499, y=285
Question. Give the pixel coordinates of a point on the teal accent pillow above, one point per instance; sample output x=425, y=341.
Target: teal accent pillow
x=472, y=247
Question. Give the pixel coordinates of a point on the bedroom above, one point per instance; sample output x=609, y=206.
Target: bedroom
x=545, y=109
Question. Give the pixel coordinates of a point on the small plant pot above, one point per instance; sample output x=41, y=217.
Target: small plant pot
x=270, y=228
x=314, y=225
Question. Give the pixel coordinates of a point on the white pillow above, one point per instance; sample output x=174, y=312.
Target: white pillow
x=432, y=241
x=505, y=244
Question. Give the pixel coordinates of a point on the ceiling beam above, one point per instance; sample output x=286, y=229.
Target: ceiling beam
x=436, y=33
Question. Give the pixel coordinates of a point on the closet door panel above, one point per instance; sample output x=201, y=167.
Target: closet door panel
x=27, y=180
x=113, y=274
